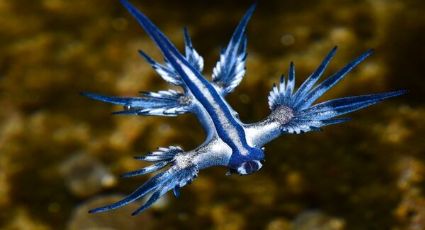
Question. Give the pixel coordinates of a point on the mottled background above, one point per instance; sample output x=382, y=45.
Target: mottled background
x=60, y=153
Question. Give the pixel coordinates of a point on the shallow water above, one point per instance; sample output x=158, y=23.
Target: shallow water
x=61, y=154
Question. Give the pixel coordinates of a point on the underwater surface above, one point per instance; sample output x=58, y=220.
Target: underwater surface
x=61, y=154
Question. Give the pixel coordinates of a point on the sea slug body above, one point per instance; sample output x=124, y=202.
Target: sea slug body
x=229, y=142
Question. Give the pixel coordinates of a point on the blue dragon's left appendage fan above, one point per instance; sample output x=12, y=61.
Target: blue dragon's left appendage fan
x=229, y=142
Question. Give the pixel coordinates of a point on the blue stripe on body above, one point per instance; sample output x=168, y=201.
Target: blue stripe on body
x=226, y=125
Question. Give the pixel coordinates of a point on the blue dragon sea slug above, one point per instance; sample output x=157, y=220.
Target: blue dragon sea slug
x=229, y=142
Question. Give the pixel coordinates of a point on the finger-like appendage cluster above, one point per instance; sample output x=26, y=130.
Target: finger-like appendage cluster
x=161, y=103
x=162, y=154
x=191, y=55
x=161, y=157
x=230, y=69
x=172, y=179
x=307, y=117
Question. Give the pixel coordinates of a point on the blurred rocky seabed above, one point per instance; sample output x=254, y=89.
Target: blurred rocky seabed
x=60, y=153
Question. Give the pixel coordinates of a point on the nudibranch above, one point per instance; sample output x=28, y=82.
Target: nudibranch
x=229, y=141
